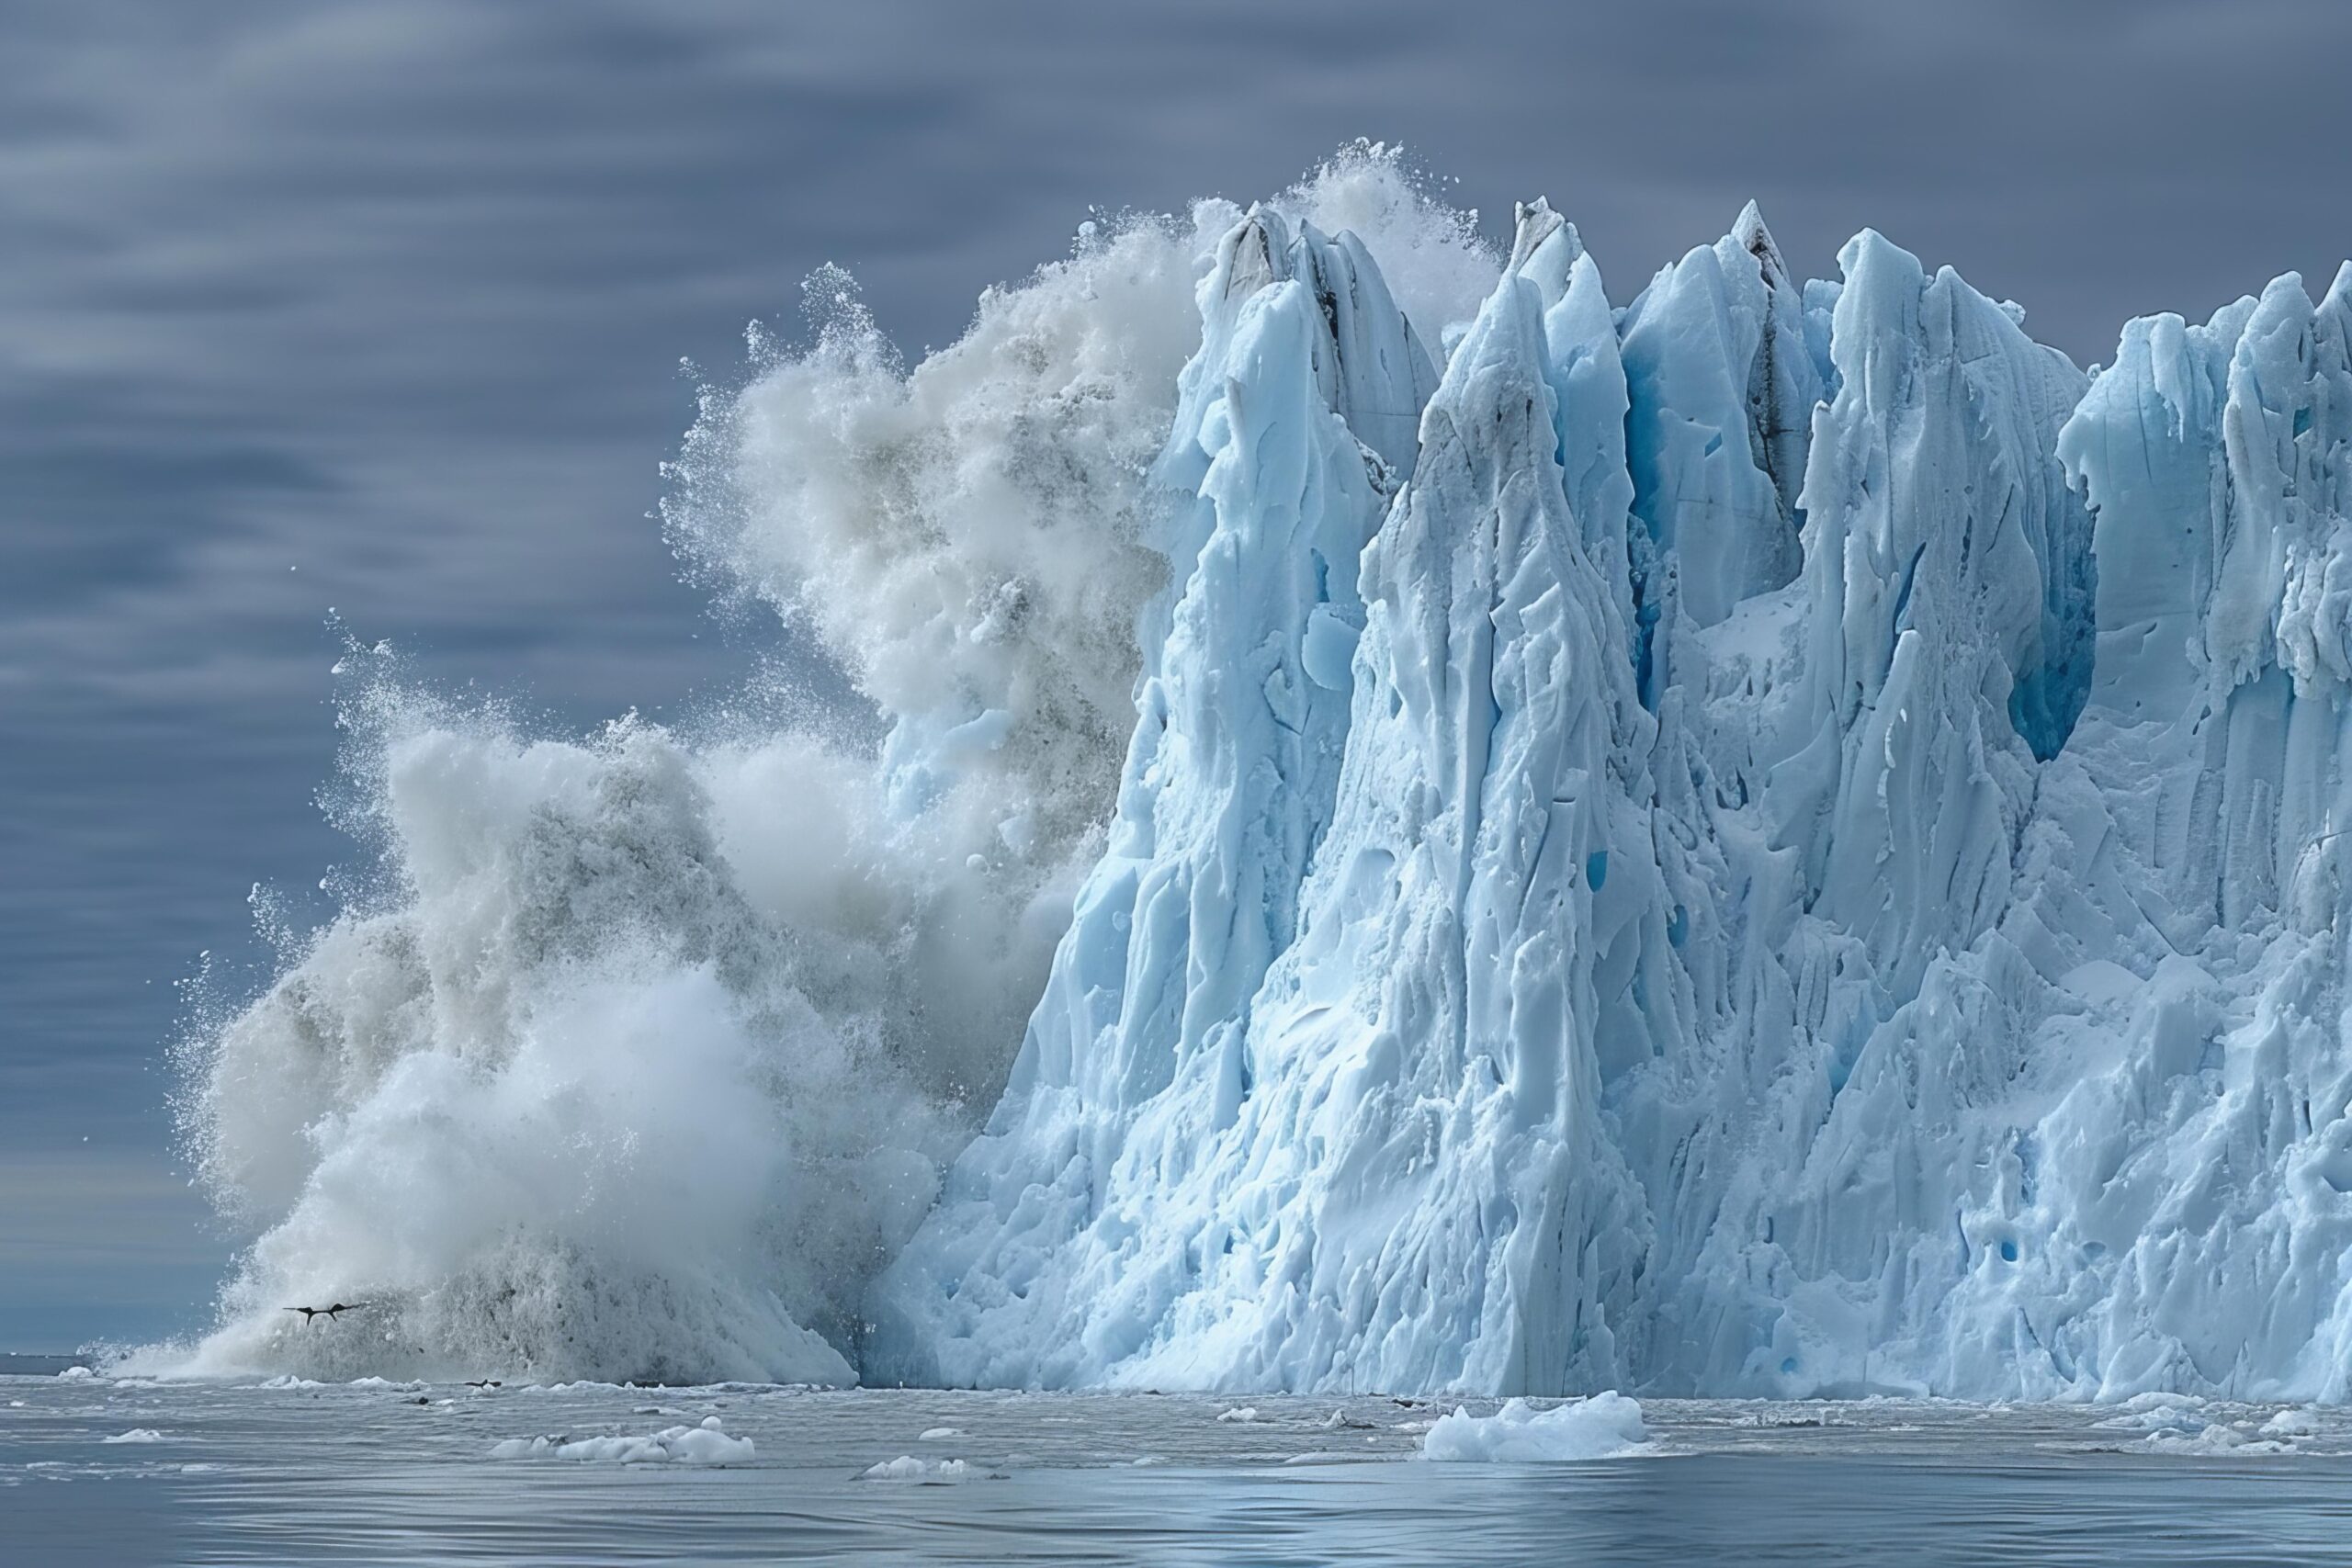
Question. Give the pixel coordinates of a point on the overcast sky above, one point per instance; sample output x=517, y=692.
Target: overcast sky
x=381, y=306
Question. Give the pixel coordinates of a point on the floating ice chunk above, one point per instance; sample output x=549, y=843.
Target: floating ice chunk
x=136, y=1435
x=937, y=1434
x=906, y=1467
x=1239, y=1413
x=706, y=1444
x=2215, y=1438
x=1607, y=1425
x=76, y=1374
x=2158, y=1412
x=1294, y=420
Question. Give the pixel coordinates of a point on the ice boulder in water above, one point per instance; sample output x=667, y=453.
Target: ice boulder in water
x=706, y=1444
x=1607, y=1425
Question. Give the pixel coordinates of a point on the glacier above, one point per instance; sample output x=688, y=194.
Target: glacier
x=1832, y=885
x=1775, y=837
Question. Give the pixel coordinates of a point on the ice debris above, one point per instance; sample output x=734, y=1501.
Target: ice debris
x=1607, y=1425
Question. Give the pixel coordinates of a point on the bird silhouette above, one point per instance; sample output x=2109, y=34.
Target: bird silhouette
x=333, y=1312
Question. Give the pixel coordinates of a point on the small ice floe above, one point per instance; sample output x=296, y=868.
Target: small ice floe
x=2157, y=1413
x=288, y=1379
x=2213, y=1438
x=136, y=1435
x=2184, y=1424
x=585, y=1385
x=2295, y=1421
x=78, y=1374
x=938, y=1434
x=1607, y=1425
x=1239, y=1413
x=706, y=1444
x=906, y=1467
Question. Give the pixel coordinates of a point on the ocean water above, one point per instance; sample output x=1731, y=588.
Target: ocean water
x=379, y=1473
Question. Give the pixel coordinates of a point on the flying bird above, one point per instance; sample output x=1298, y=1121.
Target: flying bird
x=331, y=1311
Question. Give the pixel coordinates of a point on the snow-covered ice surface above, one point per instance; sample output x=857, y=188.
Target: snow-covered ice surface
x=344, y=1474
x=1411, y=818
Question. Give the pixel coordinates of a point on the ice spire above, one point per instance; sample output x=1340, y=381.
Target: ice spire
x=1723, y=392
x=2219, y=461
x=1948, y=585
x=1241, y=715
x=1454, y=962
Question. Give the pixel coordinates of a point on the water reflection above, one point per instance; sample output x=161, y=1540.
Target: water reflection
x=343, y=1475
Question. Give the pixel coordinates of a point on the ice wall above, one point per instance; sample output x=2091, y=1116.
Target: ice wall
x=1831, y=886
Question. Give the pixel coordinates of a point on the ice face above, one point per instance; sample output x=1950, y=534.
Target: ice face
x=1829, y=884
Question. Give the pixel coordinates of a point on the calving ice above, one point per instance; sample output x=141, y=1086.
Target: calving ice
x=1776, y=838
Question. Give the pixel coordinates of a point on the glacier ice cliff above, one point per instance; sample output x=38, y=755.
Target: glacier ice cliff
x=1831, y=885
x=1774, y=837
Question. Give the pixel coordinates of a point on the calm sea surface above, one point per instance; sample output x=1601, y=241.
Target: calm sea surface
x=303, y=1474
